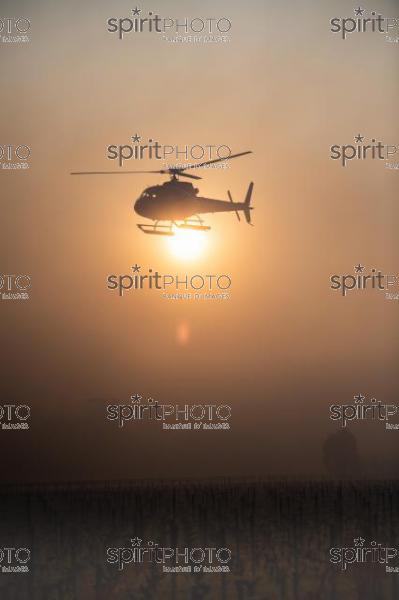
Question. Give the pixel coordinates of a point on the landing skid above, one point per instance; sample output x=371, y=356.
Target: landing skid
x=193, y=224
x=194, y=227
x=155, y=229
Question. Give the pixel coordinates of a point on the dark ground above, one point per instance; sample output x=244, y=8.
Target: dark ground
x=280, y=534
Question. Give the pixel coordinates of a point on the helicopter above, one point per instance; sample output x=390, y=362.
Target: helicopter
x=176, y=203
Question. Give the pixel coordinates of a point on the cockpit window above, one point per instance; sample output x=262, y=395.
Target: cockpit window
x=148, y=194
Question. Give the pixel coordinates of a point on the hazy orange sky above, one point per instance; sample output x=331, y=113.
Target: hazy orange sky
x=284, y=346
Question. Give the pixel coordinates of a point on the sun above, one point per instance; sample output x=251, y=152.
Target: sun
x=187, y=244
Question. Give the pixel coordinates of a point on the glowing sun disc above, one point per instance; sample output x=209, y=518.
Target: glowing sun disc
x=187, y=244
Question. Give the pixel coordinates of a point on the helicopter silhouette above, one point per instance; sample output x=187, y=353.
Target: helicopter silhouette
x=177, y=202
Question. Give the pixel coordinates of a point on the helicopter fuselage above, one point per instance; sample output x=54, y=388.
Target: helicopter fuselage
x=178, y=200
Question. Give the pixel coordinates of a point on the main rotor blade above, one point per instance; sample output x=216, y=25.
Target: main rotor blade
x=116, y=172
x=215, y=160
x=188, y=175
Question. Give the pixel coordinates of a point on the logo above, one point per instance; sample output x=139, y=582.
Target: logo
x=13, y=30
x=153, y=150
x=361, y=410
x=193, y=30
x=362, y=281
x=14, y=560
x=365, y=22
x=362, y=554
x=194, y=286
x=13, y=416
x=13, y=287
x=363, y=150
x=14, y=157
x=172, y=560
x=185, y=417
